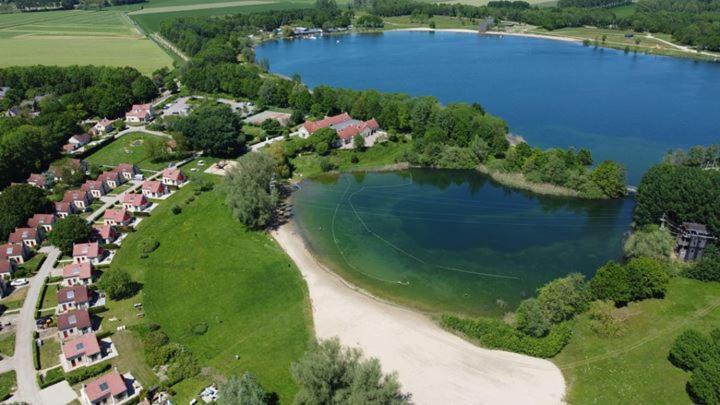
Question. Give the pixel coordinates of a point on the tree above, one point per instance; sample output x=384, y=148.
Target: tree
x=242, y=391
x=359, y=142
x=650, y=241
x=565, y=297
x=18, y=203
x=144, y=89
x=611, y=283
x=532, y=319
x=331, y=374
x=68, y=231
x=323, y=140
x=116, y=283
x=690, y=349
x=647, y=278
x=213, y=128
x=704, y=384
x=250, y=193
x=708, y=267
x=611, y=178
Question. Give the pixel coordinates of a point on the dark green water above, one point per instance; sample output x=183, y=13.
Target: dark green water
x=442, y=240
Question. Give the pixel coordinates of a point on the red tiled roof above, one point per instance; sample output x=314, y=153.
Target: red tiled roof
x=134, y=199
x=126, y=167
x=152, y=186
x=105, y=386
x=22, y=234
x=92, y=185
x=37, y=179
x=81, y=138
x=90, y=250
x=313, y=126
x=11, y=250
x=76, y=294
x=104, y=122
x=68, y=147
x=112, y=175
x=117, y=214
x=106, y=231
x=352, y=130
x=80, y=270
x=173, y=174
x=139, y=110
x=63, y=206
x=86, y=345
x=5, y=266
x=78, y=319
x=41, y=219
x=75, y=195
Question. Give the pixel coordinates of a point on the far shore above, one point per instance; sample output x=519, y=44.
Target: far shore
x=435, y=366
x=498, y=33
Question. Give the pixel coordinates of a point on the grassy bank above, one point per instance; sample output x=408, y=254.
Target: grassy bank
x=634, y=368
x=377, y=157
x=129, y=148
x=518, y=180
x=209, y=269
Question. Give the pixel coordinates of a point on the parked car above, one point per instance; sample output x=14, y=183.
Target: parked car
x=18, y=282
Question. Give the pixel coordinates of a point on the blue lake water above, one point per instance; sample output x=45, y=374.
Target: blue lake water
x=627, y=107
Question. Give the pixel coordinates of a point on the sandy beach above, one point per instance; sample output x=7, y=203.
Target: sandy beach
x=437, y=367
x=500, y=33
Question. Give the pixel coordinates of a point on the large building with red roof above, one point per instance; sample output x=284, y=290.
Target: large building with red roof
x=346, y=127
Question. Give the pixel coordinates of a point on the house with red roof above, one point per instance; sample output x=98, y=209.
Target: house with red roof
x=77, y=274
x=140, y=113
x=74, y=323
x=344, y=125
x=73, y=165
x=110, y=389
x=7, y=268
x=81, y=199
x=135, y=202
x=106, y=234
x=96, y=188
x=88, y=253
x=117, y=217
x=40, y=180
x=30, y=237
x=311, y=126
x=103, y=126
x=128, y=171
x=72, y=298
x=172, y=176
x=14, y=253
x=63, y=209
x=77, y=141
x=44, y=222
x=112, y=179
x=81, y=351
x=154, y=189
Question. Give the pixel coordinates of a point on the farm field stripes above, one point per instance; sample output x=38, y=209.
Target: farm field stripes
x=189, y=7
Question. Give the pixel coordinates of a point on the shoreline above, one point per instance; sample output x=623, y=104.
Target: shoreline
x=433, y=364
x=492, y=33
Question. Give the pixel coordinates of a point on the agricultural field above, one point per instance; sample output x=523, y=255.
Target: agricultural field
x=209, y=269
x=77, y=38
x=633, y=368
x=129, y=148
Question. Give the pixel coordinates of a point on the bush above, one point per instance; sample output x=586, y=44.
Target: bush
x=176, y=209
x=82, y=374
x=495, y=334
x=647, y=278
x=52, y=376
x=704, y=384
x=563, y=298
x=603, y=319
x=104, y=334
x=117, y=284
x=36, y=355
x=708, y=268
x=354, y=159
x=97, y=310
x=200, y=329
x=532, y=319
x=650, y=241
x=54, y=279
x=148, y=245
x=690, y=349
x=611, y=283
x=153, y=344
x=325, y=165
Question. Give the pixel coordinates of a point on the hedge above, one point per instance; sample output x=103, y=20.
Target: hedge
x=55, y=279
x=53, y=376
x=496, y=334
x=85, y=373
x=97, y=310
x=36, y=355
x=104, y=334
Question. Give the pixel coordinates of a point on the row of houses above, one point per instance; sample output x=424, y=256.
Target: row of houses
x=22, y=241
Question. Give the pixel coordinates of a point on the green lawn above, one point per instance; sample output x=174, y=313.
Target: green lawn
x=624, y=11
x=441, y=22
x=16, y=299
x=131, y=356
x=77, y=38
x=633, y=369
x=7, y=344
x=33, y=265
x=380, y=155
x=129, y=148
x=50, y=298
x=209, y=269
x=7, y=384
x=49, y=353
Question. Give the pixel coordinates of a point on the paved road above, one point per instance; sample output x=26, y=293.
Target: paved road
x=28, y=390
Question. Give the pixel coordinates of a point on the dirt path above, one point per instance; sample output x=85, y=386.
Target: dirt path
x=437, y=367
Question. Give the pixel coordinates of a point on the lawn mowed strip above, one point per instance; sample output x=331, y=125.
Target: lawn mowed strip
x=128, y=148
x=634, y=368
x=208, y=269
x=77, y=37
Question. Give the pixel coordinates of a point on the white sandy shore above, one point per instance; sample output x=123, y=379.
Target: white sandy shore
x=501, y=33
x=437, y=367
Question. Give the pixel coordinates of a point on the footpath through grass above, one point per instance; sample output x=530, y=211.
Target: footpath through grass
x=128, y=148
x=633, y=368
x=76, y=37
x=209, y=269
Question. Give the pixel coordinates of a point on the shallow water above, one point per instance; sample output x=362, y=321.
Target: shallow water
x=442, y=240
x=627, y=107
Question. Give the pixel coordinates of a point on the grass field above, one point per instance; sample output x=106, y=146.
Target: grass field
x=77, y=38
x=441, y=22
x=377, y=156
x=7, y=383
x=15, y=299
x=633, y=369
x=209, y=269
x=7, y=344
x=49, y=352
x=624, y=11
x=129, y=148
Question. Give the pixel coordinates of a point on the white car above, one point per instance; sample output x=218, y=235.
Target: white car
x=18, y=282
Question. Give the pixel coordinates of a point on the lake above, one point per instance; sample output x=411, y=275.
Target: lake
x=453, y=240
x=628, y=107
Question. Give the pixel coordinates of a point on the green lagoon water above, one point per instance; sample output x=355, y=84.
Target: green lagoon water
x=442, y=240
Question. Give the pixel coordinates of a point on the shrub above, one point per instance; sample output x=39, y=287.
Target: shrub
x=152, y=345
x=563, y=298
x=52, y=376
x=647, y=278
x=176, y=209
x=325, y=165
x=36, y=355
x=85, y=373
x=708, y=267
x=55, y=279
x=532, y=319
x=117, y=284
x=104, y=334
x=690, y=349
x=200, y=329
x=182, y=366
x=603, y=319
x=704, y=384
x=148, y=245
x=354, y=159
x=611, y=283
x=650, y=241
x=97, y=310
